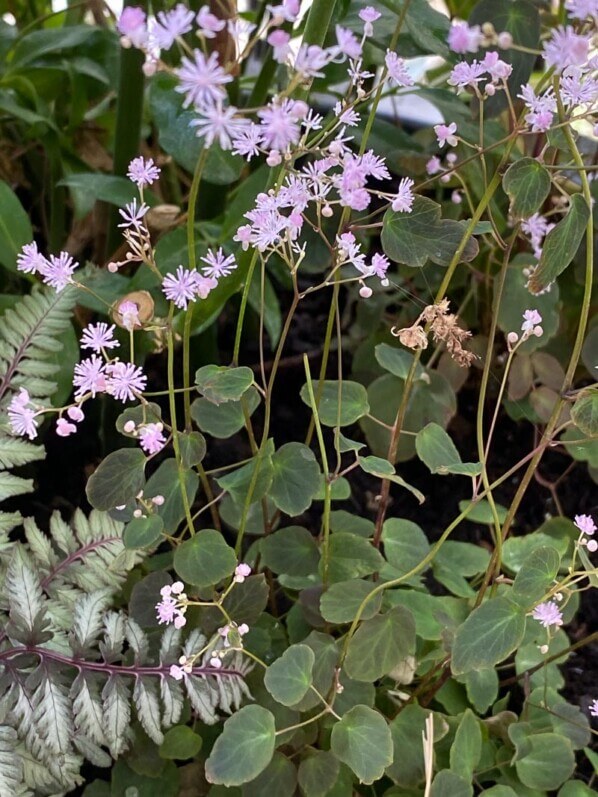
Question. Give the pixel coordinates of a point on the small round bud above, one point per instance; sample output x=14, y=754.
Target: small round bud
x=543, y=649
x=149, y=68
x=445, y=178
x=112, y=268
x=365, y=292
x=129, y=427
x=274, y=158
x=490, y=89
x=592, y=545
x=456, y=197
x=504, y=40
x=126, y=42
x=538, y=332
x=327, y=211
x=137, y=513
x=512, y=338
x=158, y=500
x=451, y=158
x=488, y=29
x=299, y=110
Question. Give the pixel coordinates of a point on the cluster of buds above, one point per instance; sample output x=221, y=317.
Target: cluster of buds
x=231, y=639
x=147, y=507
x=151, y=435
x=184, y=667
x=531, y=326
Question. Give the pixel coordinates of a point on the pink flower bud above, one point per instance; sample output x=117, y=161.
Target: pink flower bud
x=592, y=545
x=274, y=158
x=64, y=428
x=365, y=292
x=129, y=427
x=327, y=211
x=158, y=500
x=75, y=413
x=504, y=40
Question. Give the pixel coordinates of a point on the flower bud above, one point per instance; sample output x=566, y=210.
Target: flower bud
x=490, y=89
x=365, y=292
x=129, y=427
x=327, y=211
x=592, y=545
x=137, y=513
x=274, y=158
x=158, y=500
x=512, y=338
x=504, y=40
x=149, y=68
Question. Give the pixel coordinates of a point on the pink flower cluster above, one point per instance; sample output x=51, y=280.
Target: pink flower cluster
x=587, y=527
x=173, y=605
x=548, y=614
x=56, y=270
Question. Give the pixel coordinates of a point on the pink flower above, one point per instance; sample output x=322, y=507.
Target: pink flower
x=585, y=524
x=397, y=70
x=209, y=24
x=143, y=172
x=131, y=24
x=403, y=202
x=348, y=43
x=216, y=123
x=90, y=376
x=64, y=428
x=580, y=9
x=30, y=260
x=241, y=572
x=464, y=39
x=218, y=264
x=21, y=418
x=497, y=69
x=433, y=166
x=170, y=25
x=201, y=80
x=125, y=380
x=98, y=336
x=133, y=215
x=566, y=48
x=176, y=672
x=247, y=141
x=58, y=271
x=180, y=287
x=446, y=134
x=531, y=318
x=129, y=315
x=465, y=74
x=203, y=285
x=279, y=41
x=75, y=414
x=548, y=614
x=279, y=126
x=594, y=708
x=151, y=438
x=368, y=15
x=172, y=607
x=311, y=59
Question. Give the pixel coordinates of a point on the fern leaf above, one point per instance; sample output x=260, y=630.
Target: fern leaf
x=170, y=645
x=40, y=546
x=63, y=535
x=87, y=708
x=114, y=636
x=30, y=333
x=116, y=697
x=173, y=701
x=8, y=521
x=137, y=639
x=145, y=695
x=92, y=752
x=13, y=485
x=52, y=713
x=201, y=698
x=88, y=618
x=14, y=452
x=25, y=596
x=11, y=767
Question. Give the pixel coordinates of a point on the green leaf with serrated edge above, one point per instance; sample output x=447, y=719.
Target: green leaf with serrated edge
x=180, y=743
x=318, y=773
x=351, y=557
x=118, y=479
x=296, y=478
x=353, y=402
x=292, y=550
x=466, y=749
x=488, y=636
x=224, y=420
x=279, y=777
x=482, y=688
x=380, y=644
x=143, y=532
x=340, y=602
x=438, y=452
x=536, y=576
x=560, y=245
x=289, y=677
x=584, y=413
x=15, y=227
x=192, y=446
x=422, y=235
x=205, y=559
x=449, y=784
x=549, y=762
x=384, y=470
x=362, y=740
x=219, y=383
x=527, y=184
x=326, y=655
x=244, y=748
x=397, y=361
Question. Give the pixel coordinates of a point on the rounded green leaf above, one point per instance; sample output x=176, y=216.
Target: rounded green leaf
x=318, y=773
x=405, y=545
x=244, y=748
x=117, y=480
x=219, y=383
x=351, y=557
x=381, y=644
x=340, y=602
x=143, y=532
x=527, y=184
x=584, y=414
x=193, y=448
x=362, y=740
x=292, y=550
x=422, y=235
x=296, y=478
x=449, y=784
x=289, y=677
x=180, y=743
x=489, y=635
x=224, y=420
x=353, y=402
x=466, y=749
x=279, y=777
x=397, y=361
x=205, y=559
x=167, y=481
x=549, y=763
x=436, y=450
x=536, y=576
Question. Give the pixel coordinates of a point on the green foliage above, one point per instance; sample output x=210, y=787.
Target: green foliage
x=527, y=184
x=205, y=559
x=362, y=740
x=244, y=749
